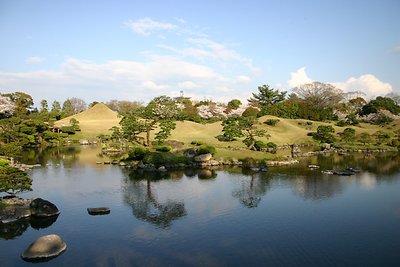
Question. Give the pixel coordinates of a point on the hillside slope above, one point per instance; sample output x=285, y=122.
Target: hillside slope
x=94, y=121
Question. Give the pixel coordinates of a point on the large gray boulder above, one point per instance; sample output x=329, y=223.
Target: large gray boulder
x=45, y=247
x=43, y=208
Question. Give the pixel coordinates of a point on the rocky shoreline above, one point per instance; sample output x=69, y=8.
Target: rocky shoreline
x=18, y=208
x=207, y=161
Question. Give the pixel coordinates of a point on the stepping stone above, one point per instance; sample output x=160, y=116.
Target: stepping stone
x=98, y=211
x=44, y=248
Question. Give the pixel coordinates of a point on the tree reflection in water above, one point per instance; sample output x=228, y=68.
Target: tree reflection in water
x=139, y=195
x=14, y=229
x=252, y=187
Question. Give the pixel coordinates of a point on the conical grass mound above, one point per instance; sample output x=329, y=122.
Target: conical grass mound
x=94, y=121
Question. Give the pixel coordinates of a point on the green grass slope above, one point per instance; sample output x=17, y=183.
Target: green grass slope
x=93, y=121
x=99, y=119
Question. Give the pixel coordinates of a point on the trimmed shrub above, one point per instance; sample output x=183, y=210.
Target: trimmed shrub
x=163, y=148
x=68, y=129
x=205, y=149
x=272, y=122
x=341, y=123
x=260, y=145
x=224, y=138
x=250, y=112
x=137, y=153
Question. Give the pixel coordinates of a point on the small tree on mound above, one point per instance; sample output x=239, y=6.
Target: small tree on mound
x=14, y=181
x=243, y=126
x=324, y=134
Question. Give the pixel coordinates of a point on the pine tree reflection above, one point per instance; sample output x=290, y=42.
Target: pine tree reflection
x=140, y=196
x=252, y=187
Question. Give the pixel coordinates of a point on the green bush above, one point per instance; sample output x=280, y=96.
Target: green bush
x=224, y=138
x=163, y=148
x=137, y=153
x=341, y=123
x=10, y=150
x=260, y=145
x=205, y=149
x=68, y=129
x=154, y=158
x=248, y=163
x=4, y=162
x=272, y=122
x=250, y=112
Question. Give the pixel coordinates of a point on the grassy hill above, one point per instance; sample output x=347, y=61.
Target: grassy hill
x=93, y=121
x=99, y=119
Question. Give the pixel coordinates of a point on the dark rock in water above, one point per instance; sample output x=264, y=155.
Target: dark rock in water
x=44, y=248
x=43, y=208
x=354, y=170
x=98, y=211
x=344, y=173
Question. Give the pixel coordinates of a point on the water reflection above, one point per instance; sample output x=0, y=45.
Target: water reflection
x=317, y=187
x=142, y=198
x=252, y=187
x=14, y=229
x=367, y=180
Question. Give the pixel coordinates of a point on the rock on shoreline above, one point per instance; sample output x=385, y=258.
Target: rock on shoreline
x=18, y=208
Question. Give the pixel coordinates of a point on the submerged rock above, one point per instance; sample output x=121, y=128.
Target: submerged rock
x=43, y=208
x=44, y=248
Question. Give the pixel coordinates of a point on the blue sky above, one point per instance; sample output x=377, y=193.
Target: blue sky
x=136, y=50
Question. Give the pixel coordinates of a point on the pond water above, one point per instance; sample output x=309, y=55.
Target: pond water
x=289, y=216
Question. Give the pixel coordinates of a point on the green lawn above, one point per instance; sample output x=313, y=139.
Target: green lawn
x=99, y=119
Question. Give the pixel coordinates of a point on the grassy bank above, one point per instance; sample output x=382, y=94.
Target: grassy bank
x=99, y=119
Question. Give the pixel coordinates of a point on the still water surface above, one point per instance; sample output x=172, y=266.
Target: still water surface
x=290, y=216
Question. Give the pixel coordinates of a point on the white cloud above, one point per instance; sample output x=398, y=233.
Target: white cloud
x=217, y=50
x=243, y=78
x=129, y=80
x=298, y=78
x=368, y=84
x=146, y=26
x=153, y=86
x=187, y=85
x=35, y=60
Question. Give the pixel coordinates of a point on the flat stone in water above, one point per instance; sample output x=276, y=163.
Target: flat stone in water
x=44, y=248
x=98, y=211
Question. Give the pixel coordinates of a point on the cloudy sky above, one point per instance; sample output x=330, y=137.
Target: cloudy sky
x=136, y=50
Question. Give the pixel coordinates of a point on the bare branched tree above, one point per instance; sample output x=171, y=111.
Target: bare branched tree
x=319, y=94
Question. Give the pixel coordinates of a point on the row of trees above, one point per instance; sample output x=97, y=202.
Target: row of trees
x=318, y=101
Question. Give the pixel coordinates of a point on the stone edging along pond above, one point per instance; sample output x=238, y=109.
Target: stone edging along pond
x=206, y=160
